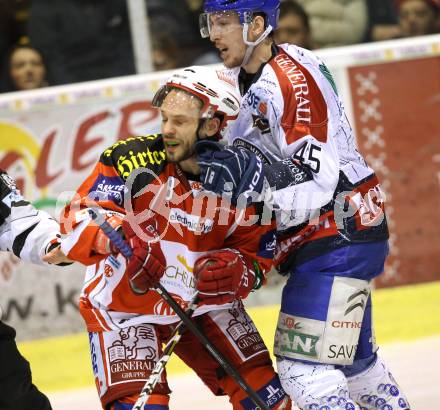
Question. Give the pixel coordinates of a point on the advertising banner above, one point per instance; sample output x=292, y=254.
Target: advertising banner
x=396, y=108
x=50, y=141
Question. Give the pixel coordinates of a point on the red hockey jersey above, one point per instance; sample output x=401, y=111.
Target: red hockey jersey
x=134, y=176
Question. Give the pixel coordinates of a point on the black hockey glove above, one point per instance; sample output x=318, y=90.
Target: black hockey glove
x=231, y=171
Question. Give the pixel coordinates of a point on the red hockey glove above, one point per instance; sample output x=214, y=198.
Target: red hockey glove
x=147, y=264
x=223, y=276
x=102, y=244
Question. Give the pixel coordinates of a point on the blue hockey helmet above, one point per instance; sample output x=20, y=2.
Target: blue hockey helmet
x=245, y=9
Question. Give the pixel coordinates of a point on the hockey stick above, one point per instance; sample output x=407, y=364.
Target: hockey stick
x=125, y=249
x=162, y=362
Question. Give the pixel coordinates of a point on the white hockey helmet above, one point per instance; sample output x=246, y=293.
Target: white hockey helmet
x=214, y=88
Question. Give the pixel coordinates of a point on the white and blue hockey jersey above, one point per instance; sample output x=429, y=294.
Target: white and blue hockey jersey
x=290, y=109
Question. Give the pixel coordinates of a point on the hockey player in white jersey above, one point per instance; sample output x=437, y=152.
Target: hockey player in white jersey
x=33, y=236
x=332, y=230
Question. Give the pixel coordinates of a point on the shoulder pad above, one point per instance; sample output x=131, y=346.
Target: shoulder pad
x=136, y=152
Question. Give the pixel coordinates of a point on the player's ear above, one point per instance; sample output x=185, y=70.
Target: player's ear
x=211, y=126
x=257, y=26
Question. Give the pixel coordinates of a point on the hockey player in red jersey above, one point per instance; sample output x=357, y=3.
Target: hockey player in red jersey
x=149, y=188
x=331, y=226
x=33, y=236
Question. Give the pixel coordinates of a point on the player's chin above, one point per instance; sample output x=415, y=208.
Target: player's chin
x=230, y=63
x=172, y=155
x=172, y=158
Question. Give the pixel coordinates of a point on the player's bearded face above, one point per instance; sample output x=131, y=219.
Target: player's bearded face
x=180, y=119
x=226, y=32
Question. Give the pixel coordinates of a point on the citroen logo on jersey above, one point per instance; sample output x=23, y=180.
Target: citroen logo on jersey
x=357, y=300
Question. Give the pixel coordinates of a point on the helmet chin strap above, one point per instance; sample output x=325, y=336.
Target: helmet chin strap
x=252, y=44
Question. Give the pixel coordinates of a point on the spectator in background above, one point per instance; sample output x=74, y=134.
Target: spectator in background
x=173, y=19
x=336, y=22
x=13, y=26
x=293, y=26
x=382, y=20
x=165, y=53
x=179, y=19
x=418, y=17
x=206, y=53
x=6, y=27
x=82, y=39
x=21, y=17
x=26, y=69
